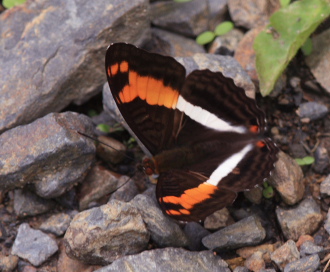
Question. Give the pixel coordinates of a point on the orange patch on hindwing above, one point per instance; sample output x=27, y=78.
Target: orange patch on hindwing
x=190, y=198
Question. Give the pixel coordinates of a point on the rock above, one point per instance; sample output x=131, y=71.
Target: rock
x=189, y=19
x=56, y=224
x=163, y=231
x=67, y=264
x=50, y=68
x=8, y=263
x=325, y=187
x=327, y=222
x=302, y=239
x=318, y=60
x=285, y=254
x=195, y=233
x=287, y=179
x=322, y=160
x=27, y=203
x=306, y=264
x=266, y=249
x=246, y=232
x=112, y=151
x=170, y=44
x=226, y=44
x=302, y=219
x=217, y=220
x=241, y=269
x=251, y=13
x=309, y=248
x=255, y=262
x=217, y=12
x=33, y=245
x=102, y=235
x=169, y=259
x=125, y=191
x=312, y=111
x=47, y=154
x=99, y=183
x=255, y=195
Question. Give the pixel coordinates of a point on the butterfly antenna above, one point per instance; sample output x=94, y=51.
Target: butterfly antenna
x=96, y=140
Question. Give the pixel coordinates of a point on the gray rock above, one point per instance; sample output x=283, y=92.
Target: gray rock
x=327, y=222
x=170, y=44
x=110, y=150
x=246, y=232
x=287, y=179
x=318, y=60
x=268, y=270
x=325, y=187
x=217, y=12
x=164, y=231
x=56, y=224
x=168, y=260
x=189, y=19
x=33, y=245
x=241, y=269
x=226, y=44
x=47, y=154
x=217, y=219
x=104, y=234
x=302, y=219
x=309, y=248
x=26, y=203
x=306, y=264
x=54, y=51
x=125, y=192
x=285, y=254
x=195, y=233
x=322, y=160
x=251, y=13
x=312, y=110
x=98, y=183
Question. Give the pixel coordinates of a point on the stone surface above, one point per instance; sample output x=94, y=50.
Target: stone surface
x=302, y=219
x=327, y=222
x=168, y=259
x=26, y=203
x=312, y=110
x=125, y=191
x=112, y=151
x=306, y=264
x=318, y=60
x=246, y=232
x=33, y=245
x=8, y=263
x=189, y=19
x=325, y=187
x=104, y=234
x=285, y=254
x=170, y=44
x=251, y=13
x=47, y=154
x=163, y=231
x=255, y=262
x=195, y=233
x=287, y=179
x=226, y=44
x=217, y=220
x=54, y=51
x=309, y=248
x=56, y=224
x=322, y=160
x=98, y=184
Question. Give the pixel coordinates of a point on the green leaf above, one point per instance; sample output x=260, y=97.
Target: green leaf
x=308, y=160
x=307, y=47
x=288, y=30
x=104, y=128
x=205, y=37
x=285, y=3
x=268, y=192
x=12, y=3
x=92, y=113
x=223, y=28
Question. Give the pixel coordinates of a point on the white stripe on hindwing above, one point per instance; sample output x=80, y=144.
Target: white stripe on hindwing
x=228, y=165
x=206, y=118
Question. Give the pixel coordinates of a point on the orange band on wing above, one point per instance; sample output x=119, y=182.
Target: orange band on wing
x=191, y=197
x=146, y=88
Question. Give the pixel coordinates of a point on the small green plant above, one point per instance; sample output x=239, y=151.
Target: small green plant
x=103, y=128
x=288, y=31
x=268, y=191
x=284, y=3
x=182, y=1
x=12, y=3
x=208, y=36
x=92, y=113
x=308, y=160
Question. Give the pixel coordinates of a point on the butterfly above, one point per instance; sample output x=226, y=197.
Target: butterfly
x=205, y=135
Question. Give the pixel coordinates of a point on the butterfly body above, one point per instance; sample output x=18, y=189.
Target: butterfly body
x=205, y=134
